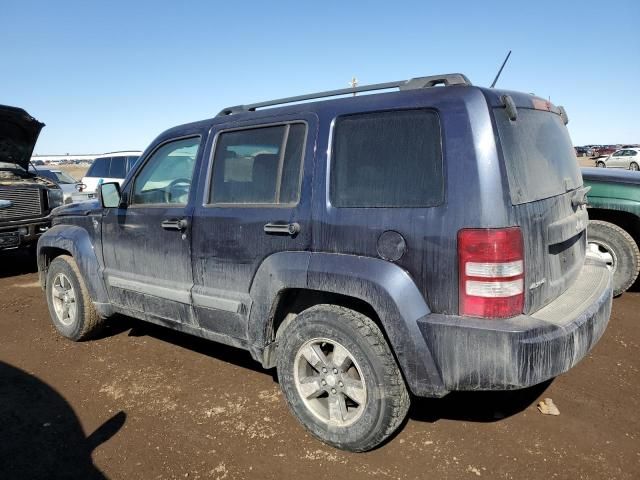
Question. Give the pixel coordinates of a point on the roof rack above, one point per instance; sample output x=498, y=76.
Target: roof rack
x=446, y=79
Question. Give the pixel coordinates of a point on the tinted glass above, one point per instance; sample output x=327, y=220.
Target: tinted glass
x=538, y=154
x=387, y=159
x=99, y=167
x=46, y=174
x=249, y=166
x=62, y=177
x=166, y=177
x=118, y=167
x=132, y=162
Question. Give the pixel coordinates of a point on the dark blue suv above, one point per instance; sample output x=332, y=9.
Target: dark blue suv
x=370, y=247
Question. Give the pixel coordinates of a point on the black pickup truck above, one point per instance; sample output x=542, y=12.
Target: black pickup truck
x=26, y=200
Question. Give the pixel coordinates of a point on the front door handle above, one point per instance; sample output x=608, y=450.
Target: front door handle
x=175, y=224
x=282, y=228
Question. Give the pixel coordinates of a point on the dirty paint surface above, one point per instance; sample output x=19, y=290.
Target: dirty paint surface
x=174, y=406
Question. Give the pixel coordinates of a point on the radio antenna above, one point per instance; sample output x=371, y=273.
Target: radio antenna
x=495, y=80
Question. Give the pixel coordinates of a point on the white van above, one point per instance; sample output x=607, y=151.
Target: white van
x=110, y=167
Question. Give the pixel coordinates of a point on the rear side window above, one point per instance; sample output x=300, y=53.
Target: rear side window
x=258, y=165
x=539, y=155
x=99, y=167
x=387, y=159
x=118, y=167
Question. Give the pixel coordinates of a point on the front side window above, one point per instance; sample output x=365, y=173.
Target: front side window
x=258, y=165
x=166, y=177
x=387, y=159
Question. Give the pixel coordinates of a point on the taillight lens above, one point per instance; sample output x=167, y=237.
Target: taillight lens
x=491, y=271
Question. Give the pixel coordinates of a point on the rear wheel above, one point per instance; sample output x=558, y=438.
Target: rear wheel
x=618, y=249
x=340, y=378
x=634, y=166
x=70, y=306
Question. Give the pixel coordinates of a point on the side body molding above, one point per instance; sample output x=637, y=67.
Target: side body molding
x=76, y=241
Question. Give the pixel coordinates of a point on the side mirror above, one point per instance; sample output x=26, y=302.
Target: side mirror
x=110, y=195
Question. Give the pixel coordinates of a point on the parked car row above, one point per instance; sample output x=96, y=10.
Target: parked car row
x=327, y=240
x=601, y=150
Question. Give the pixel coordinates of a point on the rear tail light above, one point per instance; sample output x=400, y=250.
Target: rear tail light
x=491, y=271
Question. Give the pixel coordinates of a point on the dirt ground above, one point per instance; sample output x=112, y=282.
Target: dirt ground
x=146, y=402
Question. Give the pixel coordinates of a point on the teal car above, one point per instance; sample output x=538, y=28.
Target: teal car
x=614, y=222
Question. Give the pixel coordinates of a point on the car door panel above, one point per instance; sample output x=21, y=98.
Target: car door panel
x=147, y=246
x=229, y=239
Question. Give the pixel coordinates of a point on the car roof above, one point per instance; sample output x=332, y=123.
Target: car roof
x=125, y=153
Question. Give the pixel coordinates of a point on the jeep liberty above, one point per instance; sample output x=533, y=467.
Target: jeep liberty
x=369, y=247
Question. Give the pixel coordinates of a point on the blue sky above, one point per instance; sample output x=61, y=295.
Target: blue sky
x=112, y=75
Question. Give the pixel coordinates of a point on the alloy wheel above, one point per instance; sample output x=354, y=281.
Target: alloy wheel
x=64, y=299
x=330, y=382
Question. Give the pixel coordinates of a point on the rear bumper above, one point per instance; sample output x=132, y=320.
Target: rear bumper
x=479, y=354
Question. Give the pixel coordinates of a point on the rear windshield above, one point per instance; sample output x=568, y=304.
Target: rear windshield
x=539, y=155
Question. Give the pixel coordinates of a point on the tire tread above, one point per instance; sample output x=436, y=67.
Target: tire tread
x=396, y=388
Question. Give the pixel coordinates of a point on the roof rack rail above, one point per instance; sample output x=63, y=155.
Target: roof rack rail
x=446, y=79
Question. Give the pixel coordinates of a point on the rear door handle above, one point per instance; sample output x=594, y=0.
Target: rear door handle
x=175, y=224
x=282, y=228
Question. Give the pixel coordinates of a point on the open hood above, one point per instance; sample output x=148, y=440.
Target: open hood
x=18, y=135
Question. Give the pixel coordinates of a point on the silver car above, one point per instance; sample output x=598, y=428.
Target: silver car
x=627, y=158
x=66, y=182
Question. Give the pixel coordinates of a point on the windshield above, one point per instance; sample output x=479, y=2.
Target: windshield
x=11, y=166
x=62, y=177
x=538, y=154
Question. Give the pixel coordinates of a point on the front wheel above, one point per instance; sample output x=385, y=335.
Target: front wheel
x=340, y=378
x=70, y=306
x=618, y=249
x=600, y=165
x=634, y=166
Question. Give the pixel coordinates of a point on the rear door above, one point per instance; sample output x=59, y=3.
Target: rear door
x=256, y=202
x=545, y=186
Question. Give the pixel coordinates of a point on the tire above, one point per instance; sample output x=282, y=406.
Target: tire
x=600, y=165
x=634, y=166
x=618, y=249
x=371, y=412
x=70, y=306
